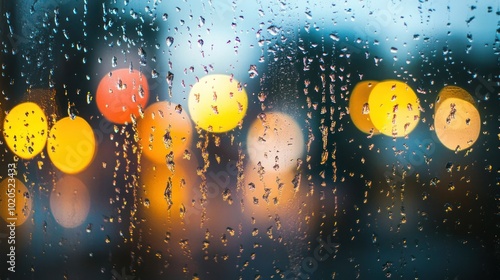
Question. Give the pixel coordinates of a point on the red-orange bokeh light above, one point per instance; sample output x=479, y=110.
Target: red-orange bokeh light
x=121, y=94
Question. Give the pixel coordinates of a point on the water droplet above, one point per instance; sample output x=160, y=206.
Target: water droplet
x=170, y=78
x=366, y=109
x=335, y=37
x=252, y=72
x=72, y=111
x=178, y=108
x=154, y=74
x=273, y=30
x=169, y=41
x=168, y=193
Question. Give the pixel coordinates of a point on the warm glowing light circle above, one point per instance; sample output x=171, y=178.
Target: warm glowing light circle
x=155, y=178
x=217, y=103
x=25, y=130
x=71, y=145
x=121, y=94
x=394, y=108
x=276, y=141
x=164, y=128
x=457, y=123
x=453, y=92
x=70, y=202
x=170, y=209
x=359, y=109
x=23, y=200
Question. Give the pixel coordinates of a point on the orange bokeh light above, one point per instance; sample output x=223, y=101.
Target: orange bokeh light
x=159, y=206
x=121, y=94
x=457, y=121
x=165, y=128
x=23, y=200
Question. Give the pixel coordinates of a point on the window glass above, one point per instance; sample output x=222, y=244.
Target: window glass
x=217, y=139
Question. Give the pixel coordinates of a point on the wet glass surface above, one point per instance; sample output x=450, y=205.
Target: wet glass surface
x=249, y=140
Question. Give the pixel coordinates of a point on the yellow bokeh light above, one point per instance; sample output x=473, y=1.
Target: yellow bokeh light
x=217, y=103
x=23, y=201
x=276, y=141
x=71, y=145
x=70, y=202
x=394, y=108
x=453, y=92
x=165, y=128
x=456, y=120
x=25, y=130
x=359, y=109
